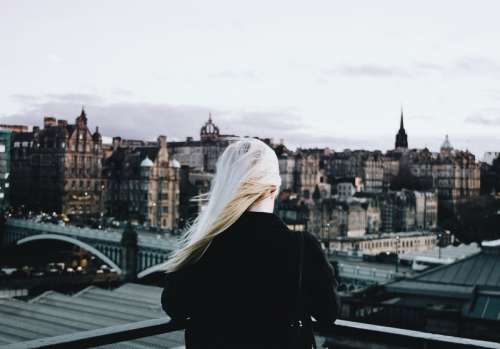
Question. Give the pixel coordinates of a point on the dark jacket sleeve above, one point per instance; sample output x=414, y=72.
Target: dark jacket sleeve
x=175, y=295
x=320, y=283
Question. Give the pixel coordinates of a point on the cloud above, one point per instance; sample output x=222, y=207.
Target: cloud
x=54, y=59
x=428, y=67
x=122, y=92
x=369, y=70
x=233, y=74
x=144, y=120
x=486, y=117
x=24, y=98
x=81, y=98
x=477, y=66
x=463, y=66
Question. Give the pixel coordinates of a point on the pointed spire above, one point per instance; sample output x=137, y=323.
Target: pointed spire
x=401, y=137
x=402, y=123
x=210, y=117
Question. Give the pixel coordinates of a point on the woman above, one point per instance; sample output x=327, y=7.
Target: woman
x=235, y=277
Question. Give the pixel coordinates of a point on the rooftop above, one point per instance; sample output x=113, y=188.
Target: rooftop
x=53, y=314
x=475, y=280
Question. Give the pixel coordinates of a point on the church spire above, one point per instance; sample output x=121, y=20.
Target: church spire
x=401, y=137
x=402, y=126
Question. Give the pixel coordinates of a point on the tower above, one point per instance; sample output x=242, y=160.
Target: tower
x=209, y=131
x=81, y=121
x=446, y=147
x=401, y=137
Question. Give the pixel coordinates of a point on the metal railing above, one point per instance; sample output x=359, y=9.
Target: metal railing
x=342, y=335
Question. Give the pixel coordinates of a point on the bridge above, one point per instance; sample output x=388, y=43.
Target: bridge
x=152, y=249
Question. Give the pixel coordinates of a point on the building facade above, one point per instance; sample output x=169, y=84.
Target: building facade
x=385, y=243
x=58, y=168
x=143, y=183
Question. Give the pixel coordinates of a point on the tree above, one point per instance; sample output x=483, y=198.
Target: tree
x=475, y=220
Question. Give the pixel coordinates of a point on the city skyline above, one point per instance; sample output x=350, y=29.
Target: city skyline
x=108, y=139
x=194, y=58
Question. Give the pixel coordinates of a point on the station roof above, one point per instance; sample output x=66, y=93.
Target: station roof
x=53, y=314
x=475, y=280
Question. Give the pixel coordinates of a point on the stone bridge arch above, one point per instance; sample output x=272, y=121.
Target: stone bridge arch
x=73, y=241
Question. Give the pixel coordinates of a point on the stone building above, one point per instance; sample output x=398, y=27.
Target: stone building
x=367, y=165
x=458, y=175
x=408, y=210
x=309, y=171
x=385, y=243
x=354, y=217
x=455, y=174
x=58, y=168
x=347, y=187
x=426, y=210
x=143, y=183
x=373, y=172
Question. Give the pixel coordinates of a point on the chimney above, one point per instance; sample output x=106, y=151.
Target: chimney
x=162, y=141
x=49, y=121
x=62, y=123
x=189, y=139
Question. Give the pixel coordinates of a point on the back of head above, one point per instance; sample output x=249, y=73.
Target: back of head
x=246, y=172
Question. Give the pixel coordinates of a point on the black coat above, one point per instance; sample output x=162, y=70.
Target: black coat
x=242, y=292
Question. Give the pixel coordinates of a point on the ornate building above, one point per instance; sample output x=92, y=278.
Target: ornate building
x=143, y=183
x=354, y=217
x=367, y=165
x=201, y=155
x=309, y=172
x=209, y=131
x=58, y=168
x=401, y=137
x=455, y=174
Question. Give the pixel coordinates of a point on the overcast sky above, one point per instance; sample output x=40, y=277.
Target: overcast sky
x=324, y=73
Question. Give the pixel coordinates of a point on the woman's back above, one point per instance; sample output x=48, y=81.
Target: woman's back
x=243, y=290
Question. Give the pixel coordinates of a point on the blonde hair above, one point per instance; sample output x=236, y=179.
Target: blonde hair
x=246, y=172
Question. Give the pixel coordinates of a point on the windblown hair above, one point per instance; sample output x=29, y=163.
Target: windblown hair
x=246, y=172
